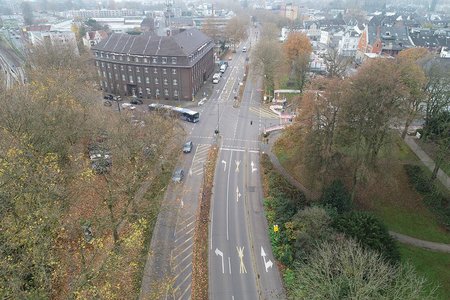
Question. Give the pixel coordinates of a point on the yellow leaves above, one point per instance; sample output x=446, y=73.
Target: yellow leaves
x=135, y=237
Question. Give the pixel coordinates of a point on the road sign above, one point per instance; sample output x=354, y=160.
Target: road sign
x=275, y=228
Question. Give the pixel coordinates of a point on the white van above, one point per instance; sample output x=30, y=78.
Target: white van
x=223, y=68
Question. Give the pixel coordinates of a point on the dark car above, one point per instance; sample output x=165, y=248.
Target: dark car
x=187, y=148
x=108, y=97
x=178, y=175
x=136, y=101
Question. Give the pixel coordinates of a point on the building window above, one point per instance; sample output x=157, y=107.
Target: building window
x=104, y=74
x=96, y=63
x=147, y=79
x=138, y=79
x=165, y=81
x=124, y=88
x=136, y=59
x=138, y=69
x=164, y=60
x=121, y=68
x=101, y=54
x=174, y=71
x=129, y=68
x=109, y=75
x=145, y=60
x=155, y=70
x=113, y=57
x=166, y=92
x=146, y=70
x=128, y=58
x=140, y=91
x=154, y=60
x=103, y=64
x=108, y=65
x=115, y=67
x=175, y=93
x=175, y=82
x=105, y=84
x=157, y=92
x=149, y=92
x=120, y=58
x=164, y=71
x=96, y=54
x=156, y=81
x=116, y=76
x=174, y=60
x=123, y=77
x=130, y=79
x=99, y=73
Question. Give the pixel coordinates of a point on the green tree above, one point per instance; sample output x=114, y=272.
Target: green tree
x=336, y=196
x=370, y=232
x=27, y=12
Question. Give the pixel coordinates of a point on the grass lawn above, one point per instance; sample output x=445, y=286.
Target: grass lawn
x=387, y=193
x=434, y=266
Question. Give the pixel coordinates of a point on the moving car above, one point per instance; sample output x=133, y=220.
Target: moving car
x=178, y=175
x=187, y=148
x=244, y=49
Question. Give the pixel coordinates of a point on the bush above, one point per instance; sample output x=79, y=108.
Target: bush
x=336, y=195
x=370, y=232
x=342, y=269
x=440, y=205
x=418, y=179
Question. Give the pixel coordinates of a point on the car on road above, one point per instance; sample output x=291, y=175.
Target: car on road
x=187, y=148
x=230, y=58
x=178, y=175
x=244, y=49
x=216, y=80
x=223, y=68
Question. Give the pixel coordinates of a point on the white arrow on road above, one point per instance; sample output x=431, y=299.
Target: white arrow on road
x=253, y=167
x=218, y=252
x=238, y=162
x=237, y=194
x=224, y=165
x=267, y=264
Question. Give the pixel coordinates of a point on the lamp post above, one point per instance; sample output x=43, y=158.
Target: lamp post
x=218, y=118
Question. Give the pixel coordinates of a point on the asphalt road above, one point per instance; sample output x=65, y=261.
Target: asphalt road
x=238, y=227
x=241, y=264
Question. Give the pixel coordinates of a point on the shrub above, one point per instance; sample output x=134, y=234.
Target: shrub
x=342, y=269
x=370, y=232
x=337, y=196
x=418, y=179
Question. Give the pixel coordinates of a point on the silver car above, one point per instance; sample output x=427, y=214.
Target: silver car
x=178, y=175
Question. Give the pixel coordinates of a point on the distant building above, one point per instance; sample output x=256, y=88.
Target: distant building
x=92, y=38
x=101, y=13
x=155, y=67
x=55, y=38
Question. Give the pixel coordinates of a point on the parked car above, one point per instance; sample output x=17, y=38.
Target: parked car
x=136, y=101
x=187, y=148
x=244, y=49
x=178, y=175
x=216, y=80
x=223, y=68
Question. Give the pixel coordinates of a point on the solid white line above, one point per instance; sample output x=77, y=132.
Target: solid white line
x=187, y=248
x=185, y=241
x=228, y=185
x=184, y=280
x=229, y=264
x=180, y=272
x=229, y=149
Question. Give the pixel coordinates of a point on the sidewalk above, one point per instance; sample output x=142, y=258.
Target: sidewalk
x=427, y=161
x=439, y=247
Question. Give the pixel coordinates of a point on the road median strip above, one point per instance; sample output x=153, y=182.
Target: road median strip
x=200, y=252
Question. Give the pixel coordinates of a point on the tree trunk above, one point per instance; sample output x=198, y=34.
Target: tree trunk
x=405, y=130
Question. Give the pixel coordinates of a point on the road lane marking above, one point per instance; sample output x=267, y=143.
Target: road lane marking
x=237, y=165
x=228, y=189
x=242, y=269
x=237, y=194
x=267, y=264
x=220, y=253
x=253, y=167
x=229, y=264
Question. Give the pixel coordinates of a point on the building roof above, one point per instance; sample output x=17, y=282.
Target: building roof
x=147, y=43
x=429, y=38
x=102, y=34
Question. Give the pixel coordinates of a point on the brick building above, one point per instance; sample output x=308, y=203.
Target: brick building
x=155, y=67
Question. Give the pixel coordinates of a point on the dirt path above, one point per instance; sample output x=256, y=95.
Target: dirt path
x=420, y=243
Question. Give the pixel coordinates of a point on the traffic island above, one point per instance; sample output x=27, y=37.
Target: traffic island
x=200, y=252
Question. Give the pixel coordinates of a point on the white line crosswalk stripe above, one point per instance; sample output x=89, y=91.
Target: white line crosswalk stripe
x=264, y=112
x=201, y=153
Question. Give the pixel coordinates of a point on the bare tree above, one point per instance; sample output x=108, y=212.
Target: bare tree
x=336, y=64
x=267, y=61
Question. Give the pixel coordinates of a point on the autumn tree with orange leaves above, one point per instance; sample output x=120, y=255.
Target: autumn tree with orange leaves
x=297, y=49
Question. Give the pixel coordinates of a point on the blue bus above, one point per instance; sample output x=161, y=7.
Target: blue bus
x=183, y=113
